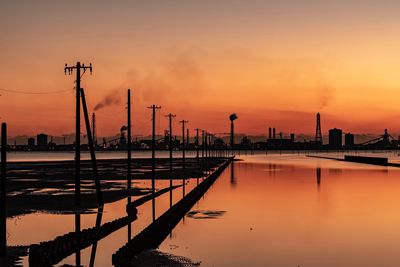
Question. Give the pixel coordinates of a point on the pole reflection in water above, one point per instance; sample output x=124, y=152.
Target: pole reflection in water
x=129, y=224
x=233, y=179
x=318, y=176
x=94, y=246
x=78, y=239
x=153, y=206
x=183, y=187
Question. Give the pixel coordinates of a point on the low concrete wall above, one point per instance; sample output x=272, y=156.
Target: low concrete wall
x=368, y=160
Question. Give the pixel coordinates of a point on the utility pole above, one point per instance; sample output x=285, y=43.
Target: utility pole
x=92, y=152
x=205, y=144
x=153, y=156
x=78, y=67
x=197, y=144
x=183, y=143
x=170, y=117
x=183, y=154
x=129, y=174
x=129, y=141
x=202, y=144
x=210, y=145
x=3, y=195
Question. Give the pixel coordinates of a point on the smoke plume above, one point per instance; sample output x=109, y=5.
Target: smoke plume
x=326, y=94
x=112, y=99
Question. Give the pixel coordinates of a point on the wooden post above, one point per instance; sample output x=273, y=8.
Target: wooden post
x=92, y=152
x=3, y=193
x=129, y=177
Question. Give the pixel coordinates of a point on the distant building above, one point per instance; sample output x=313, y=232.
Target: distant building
x=349, y=140
x=292, y=137
x=31, y=142
x=42, y=141
x=335, y=138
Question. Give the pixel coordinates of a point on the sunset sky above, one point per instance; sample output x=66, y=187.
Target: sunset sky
x=274, y=63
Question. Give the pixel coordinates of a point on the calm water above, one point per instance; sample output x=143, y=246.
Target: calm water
x=275, y=210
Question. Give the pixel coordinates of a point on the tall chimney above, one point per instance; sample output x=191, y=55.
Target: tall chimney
x=269, y=133
x=273, y=133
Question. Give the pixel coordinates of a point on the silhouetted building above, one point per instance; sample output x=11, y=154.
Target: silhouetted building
x=349, y=140
x=42, y=141
x=31, y=142
x=335, y=138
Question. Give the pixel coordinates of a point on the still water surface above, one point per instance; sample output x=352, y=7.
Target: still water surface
x=268, y=210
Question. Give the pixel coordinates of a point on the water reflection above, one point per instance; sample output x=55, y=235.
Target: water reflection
x=338, y=224
x=233, y=179
x=78, y=238
x=318, y=176
x=99, y=217
x=335, y=223
x=130, y=223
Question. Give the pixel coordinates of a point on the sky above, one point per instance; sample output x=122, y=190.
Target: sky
x=273, y=63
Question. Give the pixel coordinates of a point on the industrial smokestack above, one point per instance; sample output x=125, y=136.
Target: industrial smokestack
x=273, y=133
x=269, y=133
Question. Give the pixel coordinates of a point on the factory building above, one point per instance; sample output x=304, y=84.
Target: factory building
x=42, y=141
x=349, y=140
x=31, y=142
x=335, y=138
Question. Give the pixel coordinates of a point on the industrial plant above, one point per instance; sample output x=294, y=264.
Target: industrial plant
x=336, y=139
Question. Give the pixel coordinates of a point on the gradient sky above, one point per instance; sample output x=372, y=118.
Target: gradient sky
x=274, y=63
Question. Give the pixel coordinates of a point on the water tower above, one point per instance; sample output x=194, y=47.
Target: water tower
x=232, y=117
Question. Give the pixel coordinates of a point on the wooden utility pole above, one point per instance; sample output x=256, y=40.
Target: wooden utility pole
x=153, y=156
x=183, y=154
x=92, y=152
x=129, y=176
x=3, y=194
x=170, y=117
x=202, y=144
x=69, y=69
x=197, y=144
x=183, y=142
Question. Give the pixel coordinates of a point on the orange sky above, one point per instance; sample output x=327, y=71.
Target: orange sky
x=274, y=63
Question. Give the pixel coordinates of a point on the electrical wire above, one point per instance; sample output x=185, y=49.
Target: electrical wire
x=34, y=93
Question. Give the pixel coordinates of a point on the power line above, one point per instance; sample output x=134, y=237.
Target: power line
x=33, y=93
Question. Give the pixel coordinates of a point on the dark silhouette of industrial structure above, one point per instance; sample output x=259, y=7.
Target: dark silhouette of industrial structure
x=275, y=140
x=318, y=133
x=42, y=141
x=232, y=118
x=349, y=140
x=335, y=138
x=280, y=142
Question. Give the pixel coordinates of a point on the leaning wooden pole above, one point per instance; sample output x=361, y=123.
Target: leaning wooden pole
x=3, y=191
x=92, y=152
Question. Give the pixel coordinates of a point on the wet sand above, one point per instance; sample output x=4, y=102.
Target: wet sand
x=49, y=186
